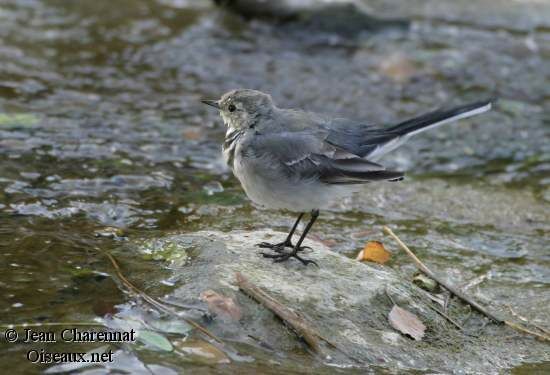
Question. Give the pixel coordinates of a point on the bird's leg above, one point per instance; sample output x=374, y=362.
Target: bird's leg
x=279, y=247
x=281, y=257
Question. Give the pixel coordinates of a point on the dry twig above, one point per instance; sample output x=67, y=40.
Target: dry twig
x=422, y=267
x=524, y=319
x=295, y=321
x=154, y=302
x=474, y=282
x=443, y=314
x=291, y=318
x=519, y=327
x=442, y=282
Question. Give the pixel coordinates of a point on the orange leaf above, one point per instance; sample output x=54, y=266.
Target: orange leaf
x=374, y=251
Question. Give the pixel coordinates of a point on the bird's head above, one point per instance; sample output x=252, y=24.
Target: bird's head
x=241, y=109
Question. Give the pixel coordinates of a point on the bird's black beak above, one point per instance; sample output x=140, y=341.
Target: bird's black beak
x=212, y=103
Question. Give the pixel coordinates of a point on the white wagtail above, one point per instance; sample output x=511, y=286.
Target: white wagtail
x=302, y=161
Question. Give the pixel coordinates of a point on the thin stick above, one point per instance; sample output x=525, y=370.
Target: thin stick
x=446, y=317
x=446, y=302
x=291, y=318
x=156, y=303
x=520, y=328
x=457, y=293
x=446, y=285
x=296, y=322
x=524, y=319
x=474, y=282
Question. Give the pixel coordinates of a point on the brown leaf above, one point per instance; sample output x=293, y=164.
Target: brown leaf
x=406, y=323
x=201, y=351
x=221, y=305
x=374, y=251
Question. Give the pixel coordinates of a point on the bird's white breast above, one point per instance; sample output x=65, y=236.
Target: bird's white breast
x=266, y=184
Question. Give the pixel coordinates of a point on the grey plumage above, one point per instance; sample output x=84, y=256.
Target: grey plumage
x=303, y=161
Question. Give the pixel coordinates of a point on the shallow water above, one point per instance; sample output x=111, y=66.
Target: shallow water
x=101, y=127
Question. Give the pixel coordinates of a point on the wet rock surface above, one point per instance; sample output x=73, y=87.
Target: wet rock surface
x=346, y=301
x=104, y=141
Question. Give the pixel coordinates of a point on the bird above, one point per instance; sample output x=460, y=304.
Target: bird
x=303, y=161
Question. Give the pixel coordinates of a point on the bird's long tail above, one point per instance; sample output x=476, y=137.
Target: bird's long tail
x=404, y=130
x=433, y=119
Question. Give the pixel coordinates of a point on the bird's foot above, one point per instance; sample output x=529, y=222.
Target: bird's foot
x=277, y=247
x=280, y=247
x=283, y=256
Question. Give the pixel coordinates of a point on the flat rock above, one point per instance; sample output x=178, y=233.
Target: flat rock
x=346, y=301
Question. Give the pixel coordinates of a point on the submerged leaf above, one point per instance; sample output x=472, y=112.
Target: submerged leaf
x=221, y=305
x=398, y=67
x=406, y=323
x=201, y=351
x=171, y=326
x=193, y=133
x=155, y=340
x=124, y=323
x=374, y=251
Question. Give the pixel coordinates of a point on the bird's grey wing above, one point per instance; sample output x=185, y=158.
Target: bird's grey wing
x=358, y=138
x=352, y=171
x=305, y=155
x=350, y=138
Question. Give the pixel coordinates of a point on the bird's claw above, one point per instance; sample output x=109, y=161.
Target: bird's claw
x=280, y=247
x=277, y=247
x=284, y=256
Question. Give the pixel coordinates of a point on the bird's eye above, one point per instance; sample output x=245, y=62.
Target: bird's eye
x=231, y=108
